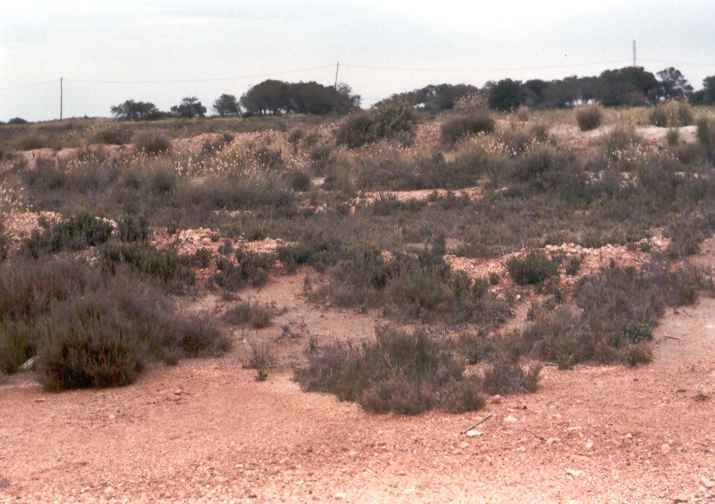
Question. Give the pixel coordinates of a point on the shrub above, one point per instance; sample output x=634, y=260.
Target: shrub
x=458, y=128
x=532, y=269
x=89, y=343
x=299, y=181
x=672, y=138
x=706, y=135
x=167, y=267
x=589, y=117
x=132, y=228
x=113, y=135
x=250, y=269
x=618, y=310
x=388, y=121
x=4, y=243
x=32, y=142
x=256, y=315
x=672, y=114
x=151, y=141
x=620, y=139
x=260, y=356
x=406, y=373
x=506, y=376
x=76, y=233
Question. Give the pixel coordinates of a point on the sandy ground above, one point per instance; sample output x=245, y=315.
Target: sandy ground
x=207, y=431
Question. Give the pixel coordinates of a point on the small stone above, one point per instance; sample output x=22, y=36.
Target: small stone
x=340, y=496
x=463, y=445
x=589, y=444
x=681, y=498
x=510, y=419
x=40, y=400
x=552, y=440
x=664, y=448
x=707, y=483
x=495, y=399
x=473, y=433
x=574, y=473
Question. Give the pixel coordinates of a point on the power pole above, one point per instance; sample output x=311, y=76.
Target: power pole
x=337, y=73
x=635, y=59
x=62, y=96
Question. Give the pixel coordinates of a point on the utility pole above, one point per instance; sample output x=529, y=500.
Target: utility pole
x=337, y=73
x=635, y=60
x=62, y=96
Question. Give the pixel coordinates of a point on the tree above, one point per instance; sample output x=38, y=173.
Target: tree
x=709, y=90
x=188, y=108
x=673, y=84
x=227, y=105
x=433, y=98
x=507, y=94
x=627, y=86
x=17, y=120
x=132, y=110
x=278, y=97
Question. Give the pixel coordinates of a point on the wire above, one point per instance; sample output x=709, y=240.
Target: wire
x=479, y=69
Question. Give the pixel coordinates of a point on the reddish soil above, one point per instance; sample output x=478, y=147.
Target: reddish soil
x=207, y=431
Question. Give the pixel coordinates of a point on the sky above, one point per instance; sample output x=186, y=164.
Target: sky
x=163, y=50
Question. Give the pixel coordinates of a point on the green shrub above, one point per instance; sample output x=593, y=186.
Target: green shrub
x=151, y=142
x=167, y=267
x=589, y=117
x=458, y=128
x=672, y=138
x=76, y=233
x=132, y=228
x=89, y=343
x=532, y=269
x=388, y=121
x=32, y=142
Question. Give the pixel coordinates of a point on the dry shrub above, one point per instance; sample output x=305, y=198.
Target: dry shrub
x=256, y=315
x=589, y=117
x=672, y=114
x=401, y=372
x=151, y=141
x=458, y=128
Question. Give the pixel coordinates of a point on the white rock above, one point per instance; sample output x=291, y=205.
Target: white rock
x=510, y=419
x=589, y=444
x=574, y=473
x=706, y=482
x=473, y=433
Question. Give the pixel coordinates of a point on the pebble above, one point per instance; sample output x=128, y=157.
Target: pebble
x=589, y=444
x=510, y=419
x=473, y=433
x=706, y=482
x=574, y=473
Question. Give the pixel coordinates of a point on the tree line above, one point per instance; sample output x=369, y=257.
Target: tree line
x=270, y=97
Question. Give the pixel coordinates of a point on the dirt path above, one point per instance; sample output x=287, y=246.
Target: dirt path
x=207, y=431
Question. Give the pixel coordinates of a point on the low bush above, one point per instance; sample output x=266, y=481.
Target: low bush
x=506, y=376
x=151, y=142
x=165, y=266
x=618, y=309
x=400, y=372
x=534, y=268
x=249, y=269
x=113, y=135
x=299, y=181
x=254, y=314
x=589, y=118
x=260, y=356
x=620, y=140
x=672, y=114
x=388, y=121
x=133, y=228
x=75, y=233
x=32, y=142
x=458, y=128
x=89, y=330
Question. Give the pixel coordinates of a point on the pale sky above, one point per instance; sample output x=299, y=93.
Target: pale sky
x=162, y=50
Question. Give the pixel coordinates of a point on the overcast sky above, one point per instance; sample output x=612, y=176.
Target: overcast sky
x=205, y=47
